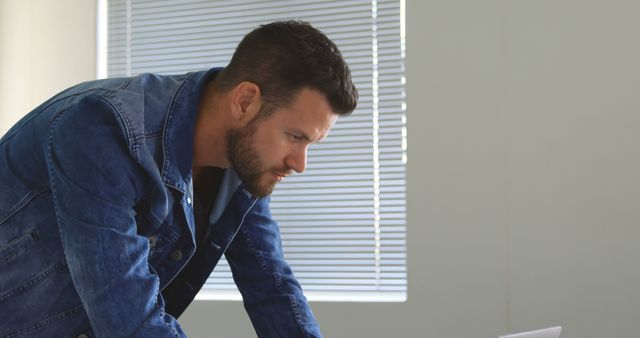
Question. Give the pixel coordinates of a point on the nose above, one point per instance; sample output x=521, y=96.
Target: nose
x=297, y=160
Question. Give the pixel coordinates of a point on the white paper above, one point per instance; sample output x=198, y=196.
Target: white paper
x=552, y=332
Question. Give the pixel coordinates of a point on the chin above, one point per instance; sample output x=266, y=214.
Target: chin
x=264, y=192
x=262, y=189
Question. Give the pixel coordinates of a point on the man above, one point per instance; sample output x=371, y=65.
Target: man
x=119, y=196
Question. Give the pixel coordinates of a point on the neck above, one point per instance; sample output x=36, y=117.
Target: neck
x=209, y=144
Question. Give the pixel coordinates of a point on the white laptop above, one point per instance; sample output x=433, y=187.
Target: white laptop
x=552, y=332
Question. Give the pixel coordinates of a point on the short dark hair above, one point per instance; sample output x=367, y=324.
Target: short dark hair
x=284, y=57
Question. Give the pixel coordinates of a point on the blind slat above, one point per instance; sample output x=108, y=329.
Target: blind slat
x=343, y=222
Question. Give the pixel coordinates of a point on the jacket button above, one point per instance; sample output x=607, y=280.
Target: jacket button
x=152, y=241
x=176, y=255
x=82, y=335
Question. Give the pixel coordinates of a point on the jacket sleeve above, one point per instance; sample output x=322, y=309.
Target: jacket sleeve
x=95, y=183
x=272, y=296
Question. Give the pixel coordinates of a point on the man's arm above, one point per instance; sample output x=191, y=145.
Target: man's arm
x=95, y=183
x=272, y=296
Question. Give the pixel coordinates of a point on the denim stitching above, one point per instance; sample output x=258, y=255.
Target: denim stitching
x=132, y=141
x=259, y=258
x=43, y=323
x=278, y=282
x=296, y=313
x=51, y=175
x=48, y=104
x=153, y=135
x=24, y=201
x=161, y=317
x=34, y=281
x=167, y=123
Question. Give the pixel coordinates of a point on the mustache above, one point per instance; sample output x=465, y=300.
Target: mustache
x=284, y=172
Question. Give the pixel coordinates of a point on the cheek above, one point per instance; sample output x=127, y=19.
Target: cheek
x=271, y=149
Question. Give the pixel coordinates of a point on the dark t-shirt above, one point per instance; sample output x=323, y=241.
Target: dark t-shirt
x=205, y=190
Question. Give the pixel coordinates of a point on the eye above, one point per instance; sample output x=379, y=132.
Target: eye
x=295, y=137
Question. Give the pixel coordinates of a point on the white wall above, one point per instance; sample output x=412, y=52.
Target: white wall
x=524, y=173
x=45, y=46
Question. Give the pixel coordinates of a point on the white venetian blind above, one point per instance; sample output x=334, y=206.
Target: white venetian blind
x=343, y=220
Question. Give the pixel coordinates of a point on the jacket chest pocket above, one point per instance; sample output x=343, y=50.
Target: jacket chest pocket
x=161, y=238
x=171, y=234
x=162, y=242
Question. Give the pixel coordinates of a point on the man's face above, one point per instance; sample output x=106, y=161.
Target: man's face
x=265, y=151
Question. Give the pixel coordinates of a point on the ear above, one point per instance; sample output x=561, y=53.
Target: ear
x=246, y=100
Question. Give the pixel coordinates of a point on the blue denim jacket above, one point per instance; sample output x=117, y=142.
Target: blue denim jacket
x=97, y=226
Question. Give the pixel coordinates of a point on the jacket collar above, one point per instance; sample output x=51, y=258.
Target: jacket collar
x=177, y=139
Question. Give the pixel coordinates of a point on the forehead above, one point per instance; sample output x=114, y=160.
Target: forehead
x=309, y=112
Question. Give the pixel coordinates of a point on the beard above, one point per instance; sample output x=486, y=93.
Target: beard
x=247, y=162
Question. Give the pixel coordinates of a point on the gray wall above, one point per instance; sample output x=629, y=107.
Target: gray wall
x=524, y=173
